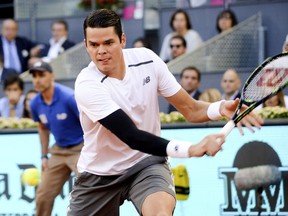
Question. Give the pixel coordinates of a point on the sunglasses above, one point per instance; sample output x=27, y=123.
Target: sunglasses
x=176, y=45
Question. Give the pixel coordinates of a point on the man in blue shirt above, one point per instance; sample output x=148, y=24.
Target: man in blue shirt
x=55, y=109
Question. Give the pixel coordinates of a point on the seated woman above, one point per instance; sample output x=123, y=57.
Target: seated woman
x=181, y=25
x=225, y=20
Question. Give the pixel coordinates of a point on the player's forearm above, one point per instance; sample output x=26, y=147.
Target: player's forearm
x=193, y=110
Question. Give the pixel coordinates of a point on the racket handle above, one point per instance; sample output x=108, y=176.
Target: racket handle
x=228, y=127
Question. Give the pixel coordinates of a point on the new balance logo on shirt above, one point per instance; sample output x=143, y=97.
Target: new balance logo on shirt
x=146, y=80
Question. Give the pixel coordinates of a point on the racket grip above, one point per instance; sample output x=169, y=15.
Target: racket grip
x=227, y=128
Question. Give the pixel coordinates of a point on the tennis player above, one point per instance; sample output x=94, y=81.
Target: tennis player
x=123, y=157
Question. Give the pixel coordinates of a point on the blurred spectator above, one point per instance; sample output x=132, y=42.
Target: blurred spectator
x=181, y=25
x=190, y=78
x=285, y=45
x=276, y=100
x=226, y=20
x=178, y=46
x=141, y=42
x=15, y=49
x=210, y=95
x=12, y=104
x=58, y=43
x=28, y=97
x=280, y=99
x=231, y=84
x=5, y=72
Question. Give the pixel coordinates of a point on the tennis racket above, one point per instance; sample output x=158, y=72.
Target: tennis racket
x=265, y=81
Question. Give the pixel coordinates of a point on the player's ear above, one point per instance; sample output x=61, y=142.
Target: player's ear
x=85, y=43
x=123, y=41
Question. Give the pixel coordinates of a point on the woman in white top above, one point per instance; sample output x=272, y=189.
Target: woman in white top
x=180, y=25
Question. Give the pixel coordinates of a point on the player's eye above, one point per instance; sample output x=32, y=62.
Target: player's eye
x=109, y=43
x=93, y=44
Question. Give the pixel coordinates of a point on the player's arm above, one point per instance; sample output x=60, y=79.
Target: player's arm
x=199, y=111
x=192, y=110
x=124, y=128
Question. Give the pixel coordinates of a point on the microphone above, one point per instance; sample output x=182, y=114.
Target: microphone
x=257, y=177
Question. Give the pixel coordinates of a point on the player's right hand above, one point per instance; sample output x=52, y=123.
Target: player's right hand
x=210, y=145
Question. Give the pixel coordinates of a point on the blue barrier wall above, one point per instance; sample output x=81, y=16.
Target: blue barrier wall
x=212, y=188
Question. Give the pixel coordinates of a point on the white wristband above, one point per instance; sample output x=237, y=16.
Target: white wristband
x=213, y=111
x=178, y=149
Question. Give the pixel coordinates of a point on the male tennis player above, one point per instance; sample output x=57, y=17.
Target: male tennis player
x=123, y=157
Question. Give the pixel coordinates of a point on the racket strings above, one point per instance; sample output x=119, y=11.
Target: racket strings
x=271, y=77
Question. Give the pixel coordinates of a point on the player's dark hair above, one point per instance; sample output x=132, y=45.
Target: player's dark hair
x=103, y=18
x=226, y=13
x=188, y=23
x=14, y=78
x=191, y=68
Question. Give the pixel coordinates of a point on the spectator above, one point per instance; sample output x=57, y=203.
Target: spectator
x=276, y=100
x=5, y=72
x=210, y=95
x=58, y=43
x=225, y=20
x=178, y=46
x=55, y=109
x=28, y=97
x=280, y=99
x=231, y=84
x=181, y=25
x=285, y=45
x=190, y=78
x=12, y=105
x=15, y=49
x=141, y=42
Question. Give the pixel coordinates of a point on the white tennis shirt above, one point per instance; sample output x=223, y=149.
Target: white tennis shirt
x=97, y=96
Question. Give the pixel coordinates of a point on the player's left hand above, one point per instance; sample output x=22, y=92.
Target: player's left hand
x=228, y=108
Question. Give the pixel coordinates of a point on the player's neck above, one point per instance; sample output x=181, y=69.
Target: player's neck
x=118, y=72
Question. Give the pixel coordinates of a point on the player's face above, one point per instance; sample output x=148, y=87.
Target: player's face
x=42, y=81
x=189, y=80
x=105, y=49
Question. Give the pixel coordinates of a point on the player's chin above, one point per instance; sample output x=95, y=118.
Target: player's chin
x=103, y=68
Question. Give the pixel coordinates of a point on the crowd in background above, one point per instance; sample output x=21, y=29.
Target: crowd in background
x=18, y=54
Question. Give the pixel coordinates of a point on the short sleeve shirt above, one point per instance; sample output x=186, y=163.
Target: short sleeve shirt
x=97, y=96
